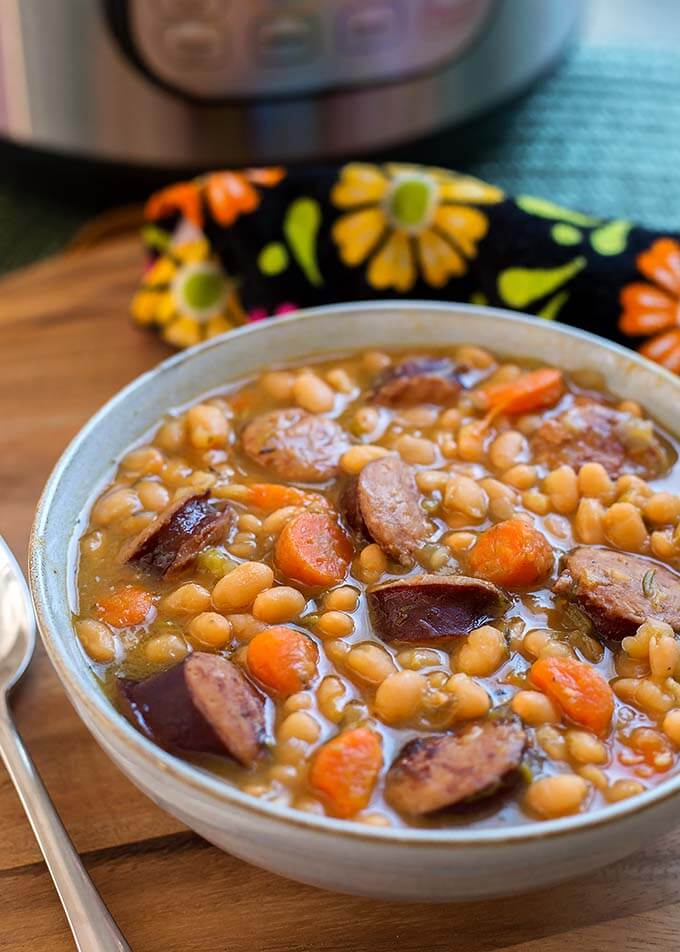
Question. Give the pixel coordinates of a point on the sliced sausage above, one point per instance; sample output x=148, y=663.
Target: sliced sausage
x=591, y=432
x=431, y=607
x=618, y=591
x=298, y=446
x=417, y=380
x=431, y=773
x=383, y=503
x=170, y=543
x=205, y=704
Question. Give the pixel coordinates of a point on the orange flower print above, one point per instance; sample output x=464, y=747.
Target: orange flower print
x=652, y=309
x=230, y=194
x=227, y=194
x=185, y=198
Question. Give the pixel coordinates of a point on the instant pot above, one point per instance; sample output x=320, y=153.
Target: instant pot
x=179, y=83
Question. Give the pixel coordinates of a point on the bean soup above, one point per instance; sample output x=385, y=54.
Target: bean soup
x=426, y=589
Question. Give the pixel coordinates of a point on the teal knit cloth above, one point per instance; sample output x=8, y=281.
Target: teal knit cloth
x=600, y=134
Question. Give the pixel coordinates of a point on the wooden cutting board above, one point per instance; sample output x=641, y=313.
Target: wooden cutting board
x=66, y=346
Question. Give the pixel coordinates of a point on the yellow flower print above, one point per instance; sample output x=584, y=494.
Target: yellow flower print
x=187, y=296
x=406, y=220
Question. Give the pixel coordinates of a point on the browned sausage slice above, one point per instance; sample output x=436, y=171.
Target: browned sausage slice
x=383, y=503
x=618, y=591
x=431, y=607
x=297, y=446
x=170, y=543
x=590, y=432
x=417, y=380
x=431, y=773
x=203, y=705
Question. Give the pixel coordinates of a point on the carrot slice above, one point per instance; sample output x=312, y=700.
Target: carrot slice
x=282, y=660
x=271, y=496
x=581, y=691
x=313, y=549
x=126, y=606
x=345, y=770
x=511, y=554
x=532, y=391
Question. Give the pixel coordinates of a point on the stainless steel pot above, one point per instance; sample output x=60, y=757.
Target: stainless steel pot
x=210, y=82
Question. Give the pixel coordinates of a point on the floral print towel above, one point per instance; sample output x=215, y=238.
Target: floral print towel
x=228, y=248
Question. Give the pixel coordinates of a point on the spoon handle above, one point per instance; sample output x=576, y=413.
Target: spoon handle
x=93, y=928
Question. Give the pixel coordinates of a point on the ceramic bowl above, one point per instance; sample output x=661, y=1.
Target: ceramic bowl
x=410, y=864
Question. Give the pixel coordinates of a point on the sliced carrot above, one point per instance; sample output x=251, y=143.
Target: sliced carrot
x=271, y=496
x=581, y=691
x=512, y=554
x=313, y=549
x=345, y=770
x=241, y=402
x=282, y=660
x=532, y=391
x=126, y=606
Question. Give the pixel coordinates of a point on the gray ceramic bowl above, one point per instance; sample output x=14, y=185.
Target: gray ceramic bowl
x=413, y=864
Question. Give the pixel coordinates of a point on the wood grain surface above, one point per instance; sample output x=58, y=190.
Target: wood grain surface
x=66, y=346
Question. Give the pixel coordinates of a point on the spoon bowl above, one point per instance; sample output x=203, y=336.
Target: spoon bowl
x=17, y=622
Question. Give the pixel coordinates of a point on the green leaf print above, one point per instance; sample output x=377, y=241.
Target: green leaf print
x=157, y=238
x=273, y=259
x=565, y=234
x=301, y=226
x=611, y=239
x=545, y=209
x=608, y=238
x=519, y=287
x=553, y=306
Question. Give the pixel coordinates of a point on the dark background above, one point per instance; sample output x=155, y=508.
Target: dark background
x=601, y=133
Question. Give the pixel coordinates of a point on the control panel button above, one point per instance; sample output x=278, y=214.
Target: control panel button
x=368, y=27
x=188, y=9
x=193, y=40
x=449, y=14
x=287, y=39
x=229, y=49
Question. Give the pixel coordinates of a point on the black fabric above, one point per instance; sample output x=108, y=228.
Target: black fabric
x=292, y=239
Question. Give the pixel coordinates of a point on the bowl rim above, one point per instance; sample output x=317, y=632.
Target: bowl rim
x=78, y=681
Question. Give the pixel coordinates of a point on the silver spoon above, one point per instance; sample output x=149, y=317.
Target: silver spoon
x=91, y=923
